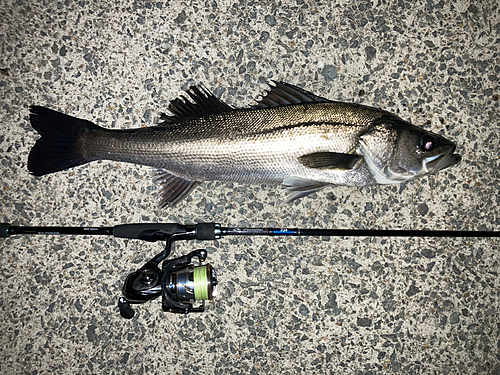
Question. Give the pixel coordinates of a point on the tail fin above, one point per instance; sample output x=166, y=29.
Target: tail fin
x=58, y=148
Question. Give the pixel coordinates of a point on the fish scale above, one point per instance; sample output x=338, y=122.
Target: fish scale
x=306, y=144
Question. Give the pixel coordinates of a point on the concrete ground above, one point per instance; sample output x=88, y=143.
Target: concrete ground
x=354, y=305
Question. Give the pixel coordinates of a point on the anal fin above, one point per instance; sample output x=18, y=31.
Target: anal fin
x=300, y=187
x=171, y=189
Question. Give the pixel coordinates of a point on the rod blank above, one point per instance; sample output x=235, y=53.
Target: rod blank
x=210, y=231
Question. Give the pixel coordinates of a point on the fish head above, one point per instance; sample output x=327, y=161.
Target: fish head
x=396, y=151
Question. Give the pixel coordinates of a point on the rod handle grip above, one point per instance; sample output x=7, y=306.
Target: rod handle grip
x=4, y=230
x=141, y=231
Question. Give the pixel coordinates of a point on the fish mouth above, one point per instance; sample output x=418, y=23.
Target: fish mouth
x=442, y=161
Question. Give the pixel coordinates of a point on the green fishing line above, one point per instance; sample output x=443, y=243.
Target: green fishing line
x=200, y=283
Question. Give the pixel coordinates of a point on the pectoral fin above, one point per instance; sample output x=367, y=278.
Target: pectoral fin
x=329, y=160
x=171, y=189
x=300, y=187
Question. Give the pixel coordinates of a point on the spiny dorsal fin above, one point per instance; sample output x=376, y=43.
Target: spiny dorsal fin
x=202, y=103
x=282, y=94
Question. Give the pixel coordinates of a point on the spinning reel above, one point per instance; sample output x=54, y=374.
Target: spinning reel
x=180, y=283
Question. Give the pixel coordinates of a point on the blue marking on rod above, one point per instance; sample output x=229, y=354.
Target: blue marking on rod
x=284, y=232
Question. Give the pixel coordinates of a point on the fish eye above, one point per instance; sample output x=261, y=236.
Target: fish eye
x=427, y=142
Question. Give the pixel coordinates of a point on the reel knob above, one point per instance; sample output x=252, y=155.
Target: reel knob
x=125, y=310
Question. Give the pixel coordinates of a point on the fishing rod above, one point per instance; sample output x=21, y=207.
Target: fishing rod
x=180, y=282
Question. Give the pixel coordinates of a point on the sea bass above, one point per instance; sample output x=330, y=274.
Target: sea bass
x=289, y=136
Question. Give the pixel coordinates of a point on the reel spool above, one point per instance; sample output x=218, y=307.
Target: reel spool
x=192, y=284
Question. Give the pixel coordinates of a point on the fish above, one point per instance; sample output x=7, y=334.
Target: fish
x=289, y=136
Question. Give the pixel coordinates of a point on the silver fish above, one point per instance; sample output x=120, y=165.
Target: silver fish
x=290, y=136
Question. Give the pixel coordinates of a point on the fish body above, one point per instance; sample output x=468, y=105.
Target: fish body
x=291, y=136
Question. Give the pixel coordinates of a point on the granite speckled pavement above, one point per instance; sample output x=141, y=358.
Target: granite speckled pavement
x=286, y=305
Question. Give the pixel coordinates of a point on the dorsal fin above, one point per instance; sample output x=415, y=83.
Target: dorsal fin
x=202, y=103
x=282, y=94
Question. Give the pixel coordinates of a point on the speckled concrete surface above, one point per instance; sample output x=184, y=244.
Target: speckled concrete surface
x=288, y=306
